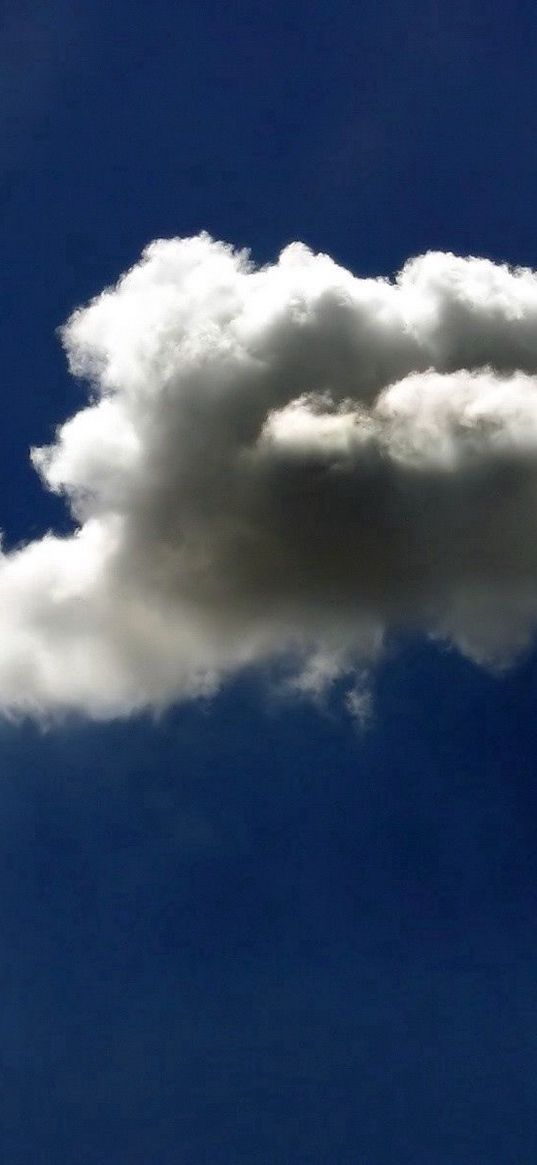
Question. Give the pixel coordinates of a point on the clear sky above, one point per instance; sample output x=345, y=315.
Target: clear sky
x=246, y=931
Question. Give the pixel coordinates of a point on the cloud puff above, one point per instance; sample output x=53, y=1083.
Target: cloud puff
x=280, y=465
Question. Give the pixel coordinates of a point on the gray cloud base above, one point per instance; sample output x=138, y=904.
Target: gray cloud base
x=280, y=464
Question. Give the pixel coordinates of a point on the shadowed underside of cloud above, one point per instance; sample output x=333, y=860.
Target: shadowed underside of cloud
x=280, y=464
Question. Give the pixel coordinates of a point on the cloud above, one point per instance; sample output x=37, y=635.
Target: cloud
x=280, y=465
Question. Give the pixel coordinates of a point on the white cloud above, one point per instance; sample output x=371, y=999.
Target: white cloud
x=281, y=463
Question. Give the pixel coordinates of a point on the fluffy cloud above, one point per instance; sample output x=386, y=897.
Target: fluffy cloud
x=280, y=465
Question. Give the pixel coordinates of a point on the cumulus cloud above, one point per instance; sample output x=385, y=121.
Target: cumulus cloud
x=278, y=466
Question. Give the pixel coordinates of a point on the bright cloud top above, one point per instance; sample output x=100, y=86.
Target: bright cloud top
x=280, y=464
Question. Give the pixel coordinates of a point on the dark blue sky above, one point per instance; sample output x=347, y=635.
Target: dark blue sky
x=246, y=933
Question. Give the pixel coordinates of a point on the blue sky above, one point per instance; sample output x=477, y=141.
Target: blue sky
x=245, y=931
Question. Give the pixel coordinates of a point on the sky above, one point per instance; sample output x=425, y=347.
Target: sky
x=268, y=832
